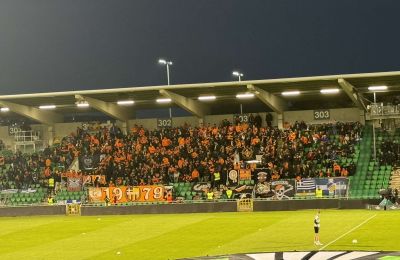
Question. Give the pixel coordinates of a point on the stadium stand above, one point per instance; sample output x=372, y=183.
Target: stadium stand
x=183, y=156
x=371, y=175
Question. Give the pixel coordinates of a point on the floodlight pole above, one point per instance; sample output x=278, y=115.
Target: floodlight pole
x=167, y=64
x=238, y=74
x=373, y=129
x=170, y=109
x=168, y=73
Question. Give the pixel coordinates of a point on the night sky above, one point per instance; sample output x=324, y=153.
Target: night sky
x=58, y=45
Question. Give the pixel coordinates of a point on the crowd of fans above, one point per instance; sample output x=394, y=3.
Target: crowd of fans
x=22, y=171
x=190, y=154
x=389, y=152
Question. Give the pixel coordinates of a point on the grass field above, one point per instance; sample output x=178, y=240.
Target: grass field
x=188, y=235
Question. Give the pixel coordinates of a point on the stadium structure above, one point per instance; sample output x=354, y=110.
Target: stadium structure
x=336, y=128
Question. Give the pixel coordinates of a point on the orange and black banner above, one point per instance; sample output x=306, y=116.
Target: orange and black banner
x=245, y=174
x=92, y=178
x=122, y=194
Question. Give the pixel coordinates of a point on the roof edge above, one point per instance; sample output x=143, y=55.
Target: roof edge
x=201, y=85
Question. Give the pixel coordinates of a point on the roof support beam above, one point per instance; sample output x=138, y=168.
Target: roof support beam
x=110, y=109
x=277, y=104
x=42, y=116
x=352, y=93
x=190, y=105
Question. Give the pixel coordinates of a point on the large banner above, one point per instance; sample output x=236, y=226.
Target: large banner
x=243, y=191
x=305, y=187
x=127, y=194
x=245, y=174
x=233, y=178
x=282, y=189
x=74, y=184
x=263, y=187
x=74, y=165
x=201, y=187
x=70, y=174
x=94, y=179
x=333, y=186
x=89, y=162
x=70, y=180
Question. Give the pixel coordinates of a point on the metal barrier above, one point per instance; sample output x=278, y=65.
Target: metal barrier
x=245, y=205
x=378, y=109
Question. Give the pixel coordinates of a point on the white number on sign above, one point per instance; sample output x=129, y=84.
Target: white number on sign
x=321, y=114
x=14, y=130
x=164, y=122
x=118, y=193
x=147, y=193
x=158, y=192
x=243, y=118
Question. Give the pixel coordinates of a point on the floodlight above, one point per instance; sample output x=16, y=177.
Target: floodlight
x=291, y=93
x=207, y=98
x=237, y=73
x=82, y=104
x=163, y=100
x=47, y=107
x=245, y=95
x=377, y=88
x=125, y=102
x=329, y=91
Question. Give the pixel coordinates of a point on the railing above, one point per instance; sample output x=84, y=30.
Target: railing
x=7, y=203
x=379, y=109
x=27, y=136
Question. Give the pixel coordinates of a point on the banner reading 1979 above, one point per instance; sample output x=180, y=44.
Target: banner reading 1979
x=127, y=194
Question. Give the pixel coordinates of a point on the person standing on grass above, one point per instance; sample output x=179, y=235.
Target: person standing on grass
x=316, y=229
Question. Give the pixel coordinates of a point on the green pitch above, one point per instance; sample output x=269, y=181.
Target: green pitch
x=188, y=235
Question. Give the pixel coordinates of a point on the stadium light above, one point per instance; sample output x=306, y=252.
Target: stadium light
x=47, y=107
x=163, y=100
x=4, y=109
x=329, y=91
x=82, y=104
x=125, y=102
x=245, y=95
x=377, y=88
x=291, y=93
x=205, y=98
x=167, y=64
x=237, y=74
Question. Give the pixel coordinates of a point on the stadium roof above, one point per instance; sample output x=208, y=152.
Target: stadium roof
x=353, y=92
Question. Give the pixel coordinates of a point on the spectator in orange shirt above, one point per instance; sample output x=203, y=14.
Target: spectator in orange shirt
x=344, y=172
x=195, y=175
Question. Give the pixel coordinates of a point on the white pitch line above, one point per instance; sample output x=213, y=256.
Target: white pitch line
x=351, y=230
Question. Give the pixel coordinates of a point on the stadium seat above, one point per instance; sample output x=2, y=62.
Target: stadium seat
x=371, y=164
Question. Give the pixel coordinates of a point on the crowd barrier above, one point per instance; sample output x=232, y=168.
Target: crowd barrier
x=32, y=211
x=192, y=207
